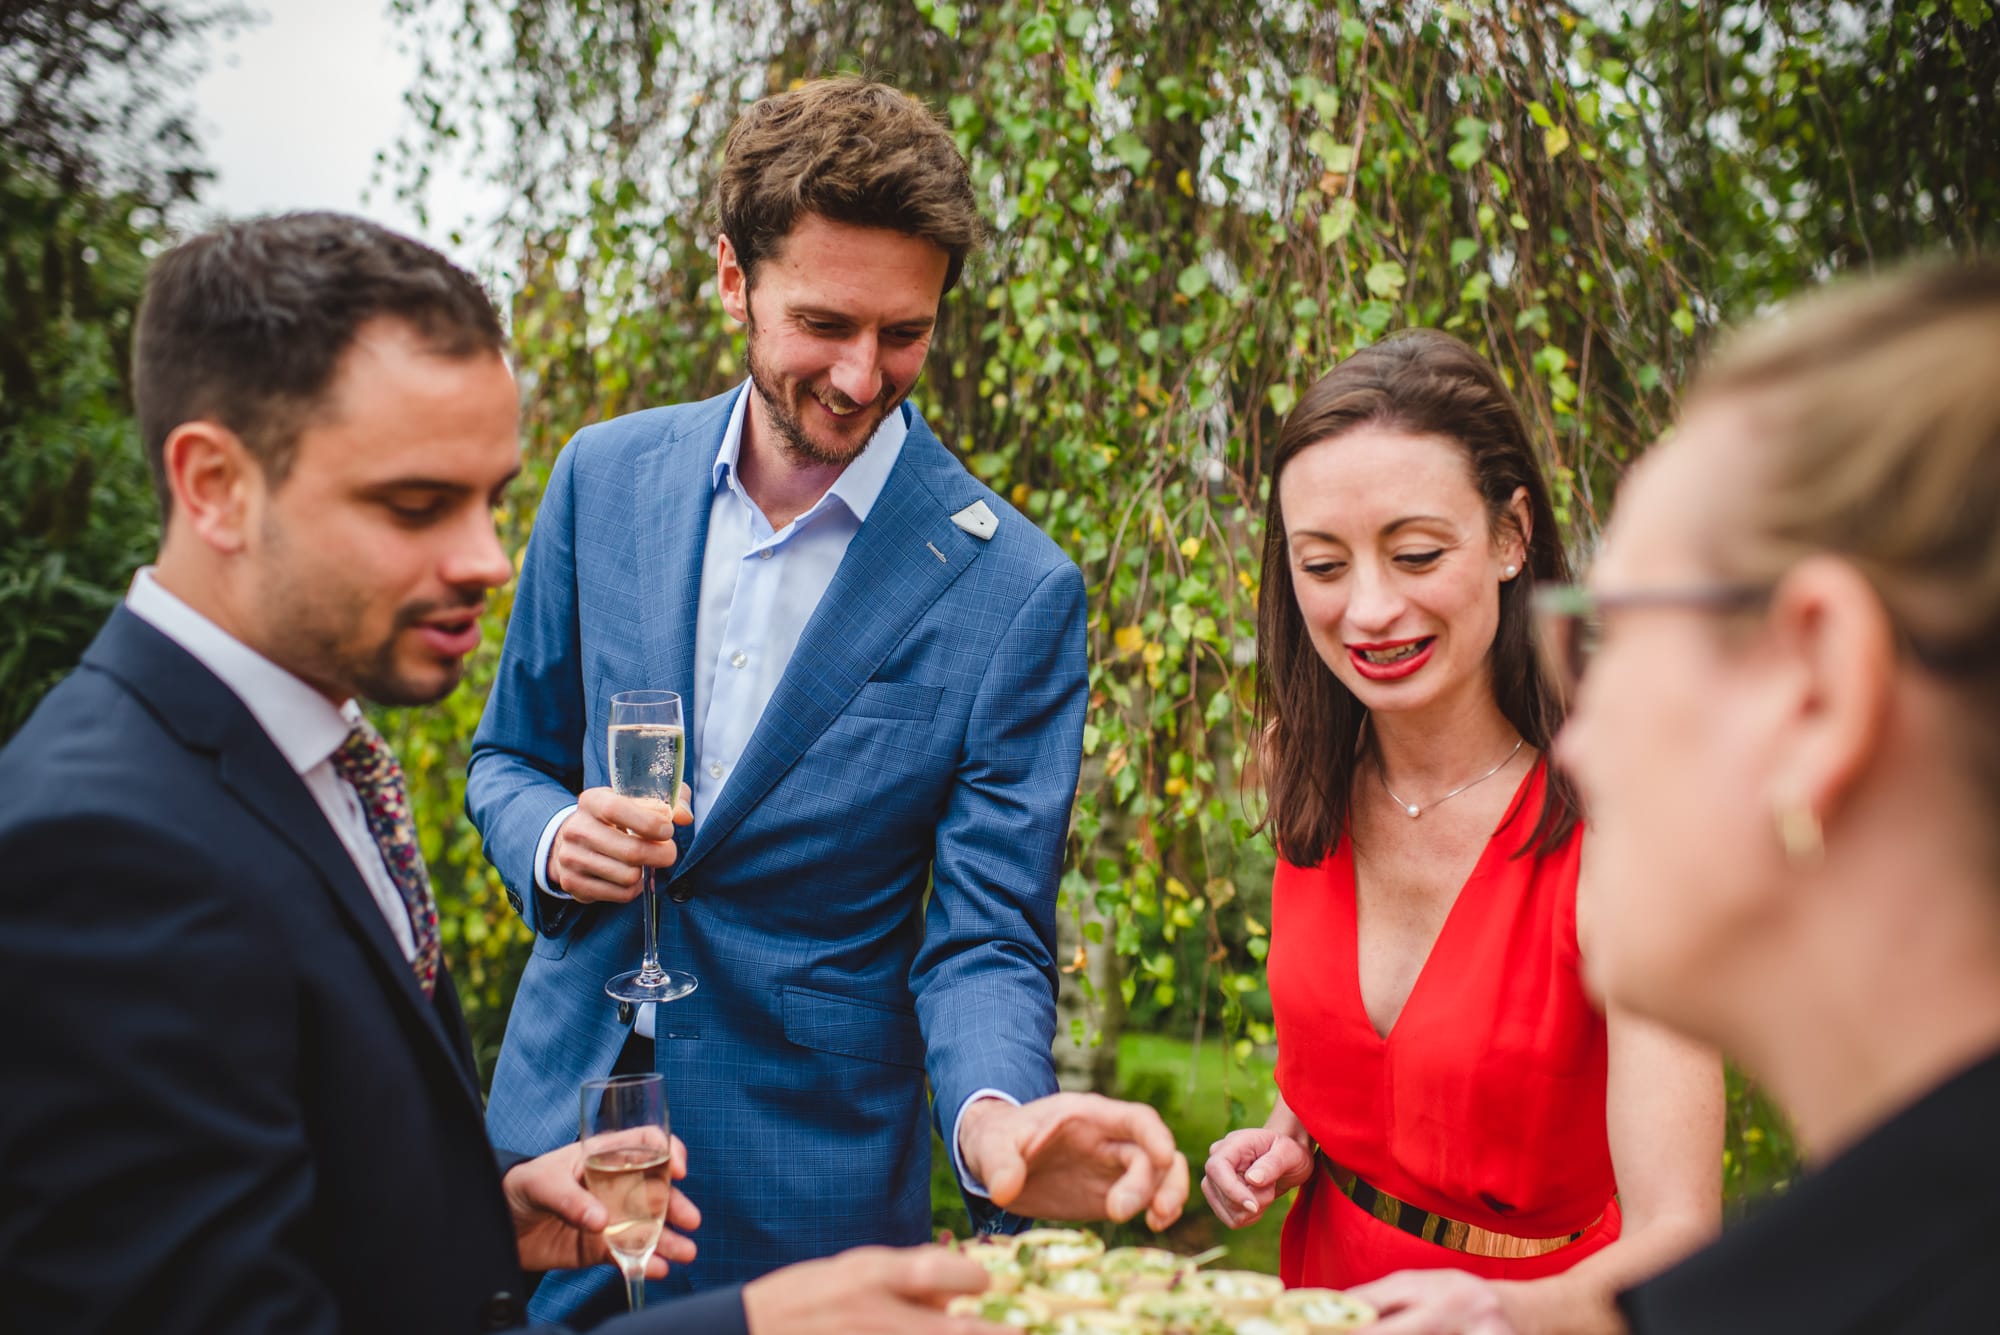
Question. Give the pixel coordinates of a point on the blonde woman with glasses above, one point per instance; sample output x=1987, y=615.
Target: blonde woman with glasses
x=1789, y=740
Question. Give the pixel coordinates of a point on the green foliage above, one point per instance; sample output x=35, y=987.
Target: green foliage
x=76, y=504
x=93, y=146
x=1196, y=209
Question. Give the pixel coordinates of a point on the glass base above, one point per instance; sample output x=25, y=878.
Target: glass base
x=672, y=985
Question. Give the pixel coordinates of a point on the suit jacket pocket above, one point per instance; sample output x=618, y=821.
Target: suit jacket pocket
x=869, y=1030
x=913, y=700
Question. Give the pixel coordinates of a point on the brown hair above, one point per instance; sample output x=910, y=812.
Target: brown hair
x=1877, y=413
x=245, y=325
x=851, y=151
x=1426, y=383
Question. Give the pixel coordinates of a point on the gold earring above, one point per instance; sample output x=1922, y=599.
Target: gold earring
x=1799, y=833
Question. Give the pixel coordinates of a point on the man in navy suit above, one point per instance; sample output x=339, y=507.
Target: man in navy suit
x=238, y=1092
x=883, y=666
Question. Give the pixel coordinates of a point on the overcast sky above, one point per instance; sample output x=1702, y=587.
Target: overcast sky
x=293, y=109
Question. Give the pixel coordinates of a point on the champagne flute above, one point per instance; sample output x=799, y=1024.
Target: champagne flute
x=628, y=1166
x=647, y=747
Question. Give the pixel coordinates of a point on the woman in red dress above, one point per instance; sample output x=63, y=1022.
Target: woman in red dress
x=1471, y=1139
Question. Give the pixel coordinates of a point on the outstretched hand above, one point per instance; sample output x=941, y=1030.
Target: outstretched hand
x=1075, y=1156
x=559, y=1225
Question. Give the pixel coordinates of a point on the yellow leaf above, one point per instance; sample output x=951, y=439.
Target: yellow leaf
x=1174, y=886
x=1128, y=638
x=1186, y=182
x=1243, y=578
x=1154, y=653
x=1252, y=926
x=1019, y=495
x=1191, y=548
x=1555, y=140
x=1111, y=79
x=1175, y=787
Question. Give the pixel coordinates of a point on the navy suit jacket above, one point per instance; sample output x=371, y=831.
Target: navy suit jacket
x=872, y=899
x=227, y=1105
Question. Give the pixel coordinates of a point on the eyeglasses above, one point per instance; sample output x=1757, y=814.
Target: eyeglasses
x=1570, y=617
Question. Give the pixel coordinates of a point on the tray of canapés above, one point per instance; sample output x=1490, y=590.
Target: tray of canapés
x=1064, y=1281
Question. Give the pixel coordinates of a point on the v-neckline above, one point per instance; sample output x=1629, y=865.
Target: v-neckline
x=1444, y=928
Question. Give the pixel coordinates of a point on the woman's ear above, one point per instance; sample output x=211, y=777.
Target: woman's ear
x=1828, y=621
x=1517, y=531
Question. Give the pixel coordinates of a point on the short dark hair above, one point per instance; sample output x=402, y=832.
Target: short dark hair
x=1424, y=382
x=245, y=325
x=851, y=151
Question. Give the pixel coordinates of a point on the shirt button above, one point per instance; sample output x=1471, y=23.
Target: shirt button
x=715, y=769
x=738, y=659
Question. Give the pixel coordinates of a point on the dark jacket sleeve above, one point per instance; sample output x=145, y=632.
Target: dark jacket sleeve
x=715, y=1312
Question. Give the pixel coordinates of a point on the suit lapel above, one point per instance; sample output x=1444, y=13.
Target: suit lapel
x=252, y=769
x=671, y=536
x=905, y=555
x=207, y=716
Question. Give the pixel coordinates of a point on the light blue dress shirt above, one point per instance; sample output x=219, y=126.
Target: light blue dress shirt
x=759, y=587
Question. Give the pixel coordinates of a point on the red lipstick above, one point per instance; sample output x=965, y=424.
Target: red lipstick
x=1397, y=670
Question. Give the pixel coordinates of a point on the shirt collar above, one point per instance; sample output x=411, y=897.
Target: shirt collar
x=306, y=726
x=859, y=485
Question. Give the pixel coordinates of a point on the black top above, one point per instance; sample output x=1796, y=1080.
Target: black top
x=1901, y=1233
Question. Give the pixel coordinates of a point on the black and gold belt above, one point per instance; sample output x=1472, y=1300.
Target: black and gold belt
x=1454, y=1234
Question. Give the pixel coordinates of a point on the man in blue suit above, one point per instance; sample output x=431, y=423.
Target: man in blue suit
x=884, y=670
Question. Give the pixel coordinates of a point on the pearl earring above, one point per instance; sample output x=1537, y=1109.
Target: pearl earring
x=1511, y=571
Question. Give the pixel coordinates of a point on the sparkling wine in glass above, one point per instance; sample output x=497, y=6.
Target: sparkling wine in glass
x=648, y=746
x=627, y=1165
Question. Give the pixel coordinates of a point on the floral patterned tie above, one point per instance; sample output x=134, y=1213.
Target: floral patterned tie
x=366, y=762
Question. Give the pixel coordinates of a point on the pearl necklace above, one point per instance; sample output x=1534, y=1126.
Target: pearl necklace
x=1412, y=810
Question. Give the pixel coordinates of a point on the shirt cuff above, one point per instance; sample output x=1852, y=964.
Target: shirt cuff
x=542, y=847
x=958, y=1164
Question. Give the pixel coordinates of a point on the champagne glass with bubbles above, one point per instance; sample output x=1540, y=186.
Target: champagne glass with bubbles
x=628, y=1167
x=648, y=745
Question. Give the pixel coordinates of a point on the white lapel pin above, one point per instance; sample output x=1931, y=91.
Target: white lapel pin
x=978, y=520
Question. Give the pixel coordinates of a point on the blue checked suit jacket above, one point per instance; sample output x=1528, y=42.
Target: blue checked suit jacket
x=872, y=899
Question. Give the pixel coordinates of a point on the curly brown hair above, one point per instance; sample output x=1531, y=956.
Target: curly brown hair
x=852, y=151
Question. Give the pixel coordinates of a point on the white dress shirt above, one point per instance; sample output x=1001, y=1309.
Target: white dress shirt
x=305, y=726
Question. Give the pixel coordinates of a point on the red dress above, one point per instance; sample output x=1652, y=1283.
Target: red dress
x=1486, y=1102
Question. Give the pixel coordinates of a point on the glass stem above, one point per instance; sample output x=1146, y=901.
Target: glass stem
x=635, y=1285
x=650, y=972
